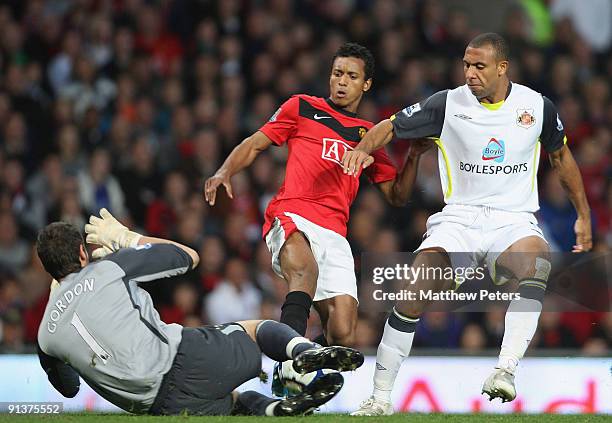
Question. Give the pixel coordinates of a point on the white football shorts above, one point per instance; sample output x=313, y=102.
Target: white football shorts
x=481, y=231
x=331, y=251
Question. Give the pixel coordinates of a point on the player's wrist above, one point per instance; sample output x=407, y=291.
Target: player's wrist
x=129, y=239
x=584, y=215
x=222, y=174
x=363, y=149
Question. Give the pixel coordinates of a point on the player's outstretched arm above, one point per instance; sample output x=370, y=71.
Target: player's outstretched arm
x=240, y=157
x=111, y=236
x=564, y=164
x=398, y=191
x=359, y=158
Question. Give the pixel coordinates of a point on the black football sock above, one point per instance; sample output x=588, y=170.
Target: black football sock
x=279, y=342
x=251, y=403
x=295, y=311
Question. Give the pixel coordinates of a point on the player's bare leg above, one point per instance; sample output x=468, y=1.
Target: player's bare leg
x=526, y=262
x=339, y=319
x=300, y=270
x=399, y=333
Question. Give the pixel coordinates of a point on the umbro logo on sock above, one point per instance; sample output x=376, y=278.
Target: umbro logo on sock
x=380, y=367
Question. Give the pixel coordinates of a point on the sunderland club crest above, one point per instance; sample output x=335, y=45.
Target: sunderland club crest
x=525, y=118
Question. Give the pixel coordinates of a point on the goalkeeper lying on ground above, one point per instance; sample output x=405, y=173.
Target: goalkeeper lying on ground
x=101, y=325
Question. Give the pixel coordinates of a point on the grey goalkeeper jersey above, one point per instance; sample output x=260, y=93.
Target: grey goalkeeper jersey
x=102, y=324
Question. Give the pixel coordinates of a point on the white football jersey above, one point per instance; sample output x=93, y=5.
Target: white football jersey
x=486, y=157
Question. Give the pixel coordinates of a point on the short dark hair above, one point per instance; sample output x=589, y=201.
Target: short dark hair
x=57, y=246
x=496, y=41
x=360, y=52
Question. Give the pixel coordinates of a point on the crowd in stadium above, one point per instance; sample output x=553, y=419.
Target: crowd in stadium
x=131, y=104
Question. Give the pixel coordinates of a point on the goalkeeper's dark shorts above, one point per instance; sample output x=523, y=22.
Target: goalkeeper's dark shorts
x=210, y=363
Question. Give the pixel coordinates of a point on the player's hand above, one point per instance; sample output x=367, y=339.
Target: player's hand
x=354, y=161
x=109, y=233
x=211, y=185
x=584, y=241
x=419, y=146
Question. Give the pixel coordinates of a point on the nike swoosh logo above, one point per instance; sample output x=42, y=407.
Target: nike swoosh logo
x=317, y=117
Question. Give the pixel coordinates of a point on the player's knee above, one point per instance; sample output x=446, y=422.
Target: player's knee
x=299, y=269
x=344, y=335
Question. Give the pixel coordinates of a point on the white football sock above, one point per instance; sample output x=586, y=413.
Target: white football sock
x=393, y=348
x=521, y=323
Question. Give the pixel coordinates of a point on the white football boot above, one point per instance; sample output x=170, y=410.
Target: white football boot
x=500, y=384
x=374, y=407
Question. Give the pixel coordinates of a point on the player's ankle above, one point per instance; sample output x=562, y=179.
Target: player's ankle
x=507, y=363
x=382, y=396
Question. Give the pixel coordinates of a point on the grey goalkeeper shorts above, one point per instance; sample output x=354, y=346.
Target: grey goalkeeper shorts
x=210, y=363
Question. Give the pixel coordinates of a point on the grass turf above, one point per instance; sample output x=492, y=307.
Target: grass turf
x=319, y=418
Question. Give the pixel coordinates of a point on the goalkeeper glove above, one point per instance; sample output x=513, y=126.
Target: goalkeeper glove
x=54, y=284
x=109, y=234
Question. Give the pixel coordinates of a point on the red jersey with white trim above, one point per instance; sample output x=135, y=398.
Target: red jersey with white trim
x=317, y=133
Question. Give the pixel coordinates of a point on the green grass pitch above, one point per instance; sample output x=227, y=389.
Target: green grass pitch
x=319, y=418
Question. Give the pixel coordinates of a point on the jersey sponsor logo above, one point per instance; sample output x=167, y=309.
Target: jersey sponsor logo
x=66, y=298
x=525, y=118
x=410, y=110
x=317, y=117
x=495, y=150
x=333, y=150
x=493, y=169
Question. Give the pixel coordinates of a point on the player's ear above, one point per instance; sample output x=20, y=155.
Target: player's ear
x=367, y=84
x=83, y=255
x=502, y=68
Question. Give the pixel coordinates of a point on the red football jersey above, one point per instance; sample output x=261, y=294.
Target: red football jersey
x=317, y=133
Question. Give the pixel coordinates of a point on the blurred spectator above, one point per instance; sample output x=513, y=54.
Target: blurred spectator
x=473, y=339
x=556, y=213
x=12, y=339
x=212, y=253
x=439, y=330
x=98, y=188
x=594, y=22
x=141, y=181
x=552, y=334
x=88, y=89
x=162, y=213
x=234, y=298
x=184, y=304
x=14, y=251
